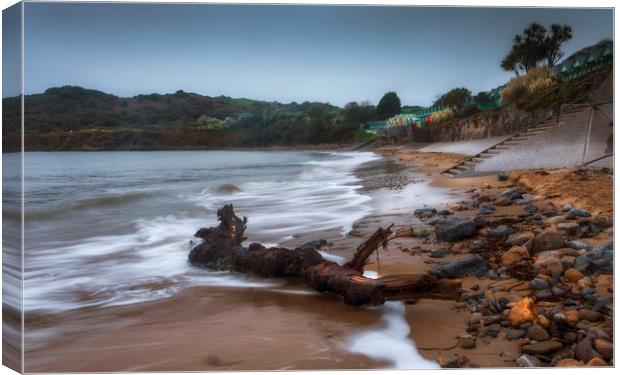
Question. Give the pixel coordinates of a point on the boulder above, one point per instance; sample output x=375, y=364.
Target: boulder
x=549, y=239
x=522, y=312
x=578, y=245
x=454, y=228
x=514, y=255
x=470, y=265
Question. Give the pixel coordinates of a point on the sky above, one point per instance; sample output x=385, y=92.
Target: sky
x=334, y=54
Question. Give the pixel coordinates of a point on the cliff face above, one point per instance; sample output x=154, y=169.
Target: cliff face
x=495, y=122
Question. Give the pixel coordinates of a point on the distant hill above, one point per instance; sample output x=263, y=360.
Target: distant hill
x=62, y=117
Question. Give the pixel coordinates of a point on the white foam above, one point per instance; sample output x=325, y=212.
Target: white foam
x=391, y=343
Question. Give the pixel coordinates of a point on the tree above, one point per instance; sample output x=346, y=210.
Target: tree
x=535, y=45
x=455, y=99
x=553, y=43
x=389, y=105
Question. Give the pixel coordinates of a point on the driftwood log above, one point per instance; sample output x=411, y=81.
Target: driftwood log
x=222, y=249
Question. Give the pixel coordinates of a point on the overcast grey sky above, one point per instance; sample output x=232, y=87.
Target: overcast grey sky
x=286, y=53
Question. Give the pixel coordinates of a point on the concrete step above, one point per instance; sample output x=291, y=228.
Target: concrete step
x=494, y=151
x=462, y=167
x=502, y=147
x=513, y=142
x=486, y=155
x=478, y=160
x=470, y=163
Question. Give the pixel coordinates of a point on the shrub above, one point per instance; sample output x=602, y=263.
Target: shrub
x=527, y=90
x=443, y=116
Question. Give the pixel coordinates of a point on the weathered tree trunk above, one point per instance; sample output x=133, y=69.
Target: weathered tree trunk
x=222, y=249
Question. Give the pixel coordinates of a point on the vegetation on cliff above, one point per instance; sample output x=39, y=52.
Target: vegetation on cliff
x=69, y=118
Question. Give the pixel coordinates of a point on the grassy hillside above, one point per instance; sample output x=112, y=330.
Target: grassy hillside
x=74, y=118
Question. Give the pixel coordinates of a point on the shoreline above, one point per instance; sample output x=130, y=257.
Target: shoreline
x=437, y=327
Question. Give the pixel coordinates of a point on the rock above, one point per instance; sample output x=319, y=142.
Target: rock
x=406, y=231
x=486, y=209
x=514, y=193
x=460, y=362
x=567, y=207
x=500, y=232
x=514, y=255
x=530, y=208
x=518, y=239
x=542, y=347
x=470, y=265
x=578, y=245
x=514, y=333
x=475, y=318
x=528, y=361
x=596, y=333
x=467, y=342
x=584, y=351
x=444, y=212
x=316, y=244
x=502, y=176
x=572, y=316
x=539, y=284
x=604, y=348
x=422, y=233
x=503, y=201
x=569, y=362
x=440, y=253
x=591, y=316
x=570, y=337
x=454, y=228
x=522, y=312
x=573, y=275
x=570, y=228
x=543, y=321
x=596, y=361
x=424, y=212
x=549, y=239
x=598, y=259
x=538, y=333
x=584, y=282
x=575, y=212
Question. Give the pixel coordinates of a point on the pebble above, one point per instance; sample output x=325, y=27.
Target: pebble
x=467, y=342
x=539, y=284
x=591, y=316
x=573, y=275
x=440, y=253
x=475, y=318
x=528, y=361
x=542, y=347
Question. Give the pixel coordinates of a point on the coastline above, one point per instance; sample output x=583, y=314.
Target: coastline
x=194, y=326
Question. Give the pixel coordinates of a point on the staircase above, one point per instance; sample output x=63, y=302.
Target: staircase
x=506, y=144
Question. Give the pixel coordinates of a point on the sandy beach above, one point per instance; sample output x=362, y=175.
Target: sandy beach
x=291, y=327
